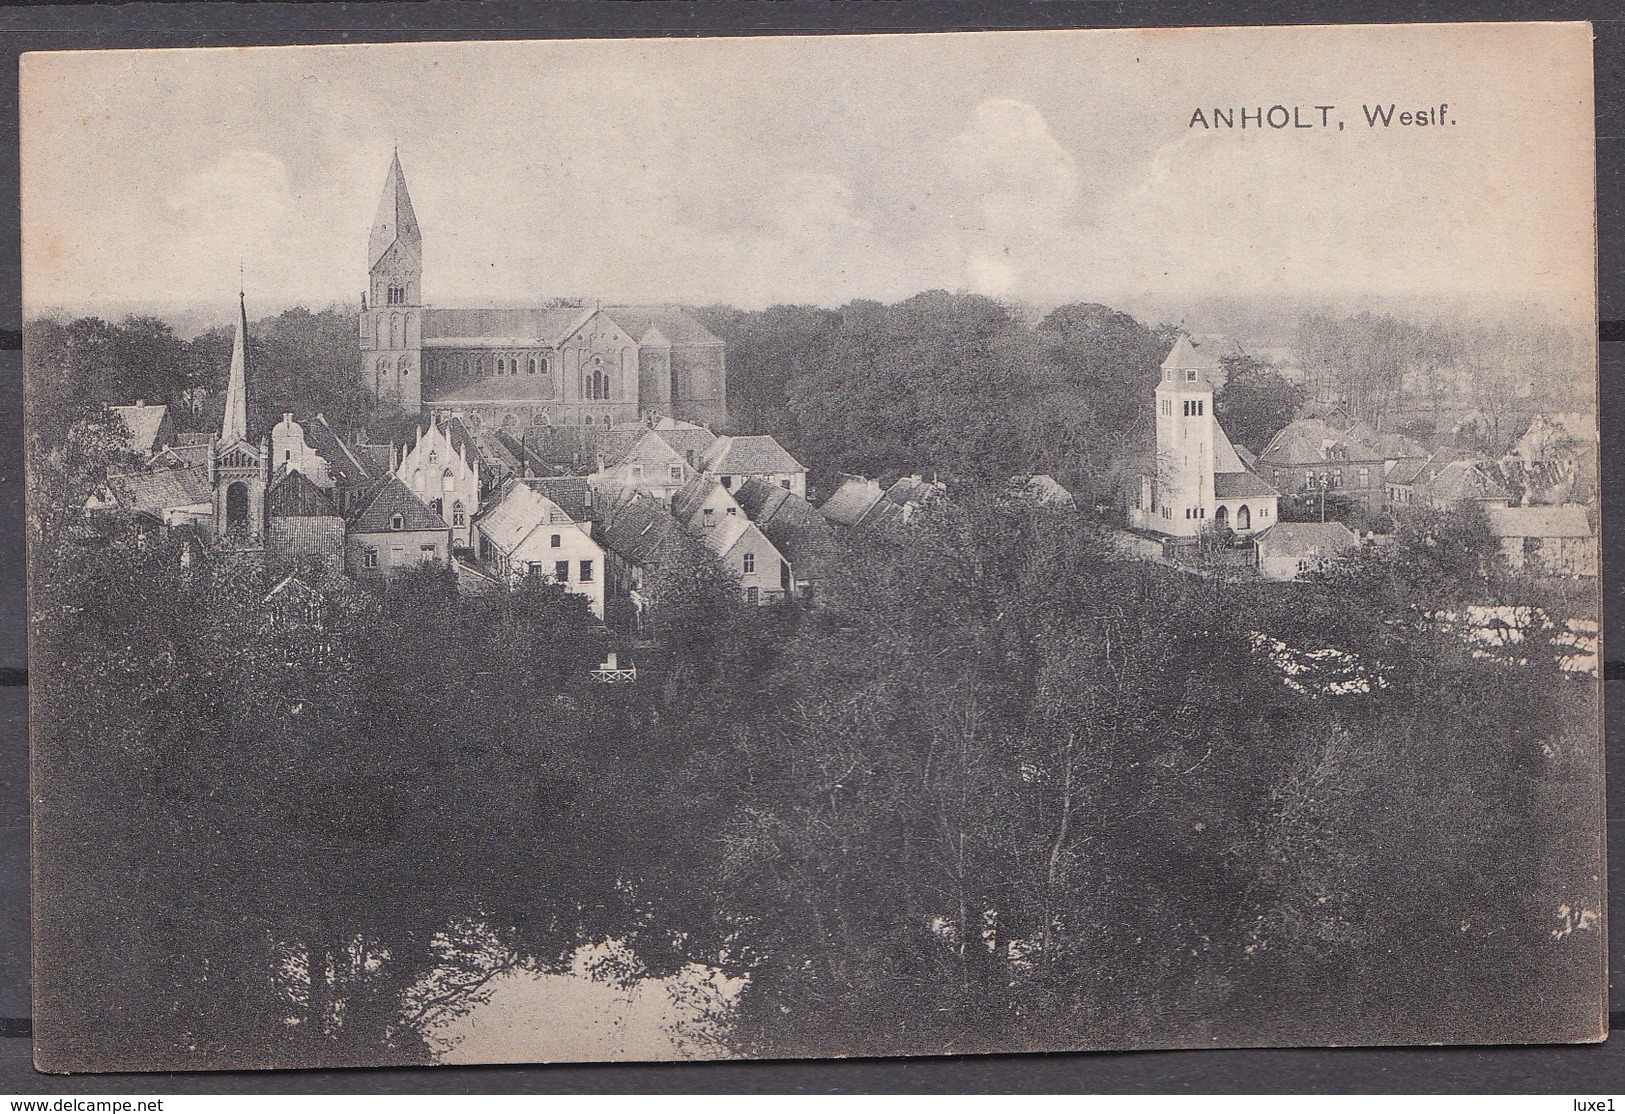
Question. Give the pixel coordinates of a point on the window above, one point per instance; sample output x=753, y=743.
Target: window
x=458, y=518
x=728, y=483
x=1365, y=477
x=437, y=506
x=586, y=572
x=750, y=563
x=502, y=368
x=557, y=540
x=676, y=472
x=369, y=559
x=397, y=522
x=709, y=517
x=427, y=553
x=561, y=571
x=637, y=471
x=732, y=511
x=531, y=366
x=1167, y=407
x=785, y=484
x=596, y=385
x=1190, y=376
x=750, y=595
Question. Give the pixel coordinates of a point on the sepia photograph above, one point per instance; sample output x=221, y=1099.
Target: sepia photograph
x=657, y=549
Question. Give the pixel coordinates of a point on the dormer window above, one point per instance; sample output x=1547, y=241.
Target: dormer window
x=397, y=522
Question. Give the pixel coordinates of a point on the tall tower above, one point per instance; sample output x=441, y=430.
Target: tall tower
x=1185, y=452
x=239, y=470
x=392, y=310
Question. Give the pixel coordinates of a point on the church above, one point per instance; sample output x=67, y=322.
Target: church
x=1200, y=483
x=514, y=367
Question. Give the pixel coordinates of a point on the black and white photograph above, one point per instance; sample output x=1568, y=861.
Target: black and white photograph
x=799, y=546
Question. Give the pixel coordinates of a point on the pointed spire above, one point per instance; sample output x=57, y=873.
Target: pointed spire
x=395, y=222
x=234, y=427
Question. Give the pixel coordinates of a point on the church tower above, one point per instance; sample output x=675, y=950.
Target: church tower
x=392, y=308
x=239, y=470
x=1185, y=442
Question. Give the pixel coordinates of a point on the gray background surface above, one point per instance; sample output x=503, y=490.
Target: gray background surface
x=1584, y=1070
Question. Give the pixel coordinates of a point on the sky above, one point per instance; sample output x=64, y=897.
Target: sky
x=1037, y=167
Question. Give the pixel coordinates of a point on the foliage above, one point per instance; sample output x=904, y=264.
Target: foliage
x=1255, y=402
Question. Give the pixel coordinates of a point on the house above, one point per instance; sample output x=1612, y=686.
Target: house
x=1549, y=540
x=302, y=519
x=393, y=530
x=903, y=499
x=703, y=503
x=646, y=463
x=442, y=467
x=148, y=428
x=1288, y=550
x=1042, y=490
x=1199, y=482
x=1311, y=456
x=847, y=505
x=688, y=440
x=734, y=460
x=1555, y=460
x=801, y=534
x=638, y=538
x=764, y=575
x=168, y=496
x=524, y=533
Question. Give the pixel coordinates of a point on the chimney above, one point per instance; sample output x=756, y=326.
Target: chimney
x=287, y=416
x=140, y=402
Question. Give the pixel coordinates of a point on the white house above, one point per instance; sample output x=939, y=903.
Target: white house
x=441, y=467
x=764, y=575
x=733, y=460
x=1289, y=550
x=524, y=533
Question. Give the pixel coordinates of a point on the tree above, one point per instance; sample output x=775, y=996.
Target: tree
x=1255, y=402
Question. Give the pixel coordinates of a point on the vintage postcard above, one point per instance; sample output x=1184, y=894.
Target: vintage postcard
x=813, y=546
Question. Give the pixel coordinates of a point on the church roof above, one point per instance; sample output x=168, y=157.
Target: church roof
x=674, y=325
x=1187, y=356
x=295, y=495
x=1240, y=485
x=389, y=498
x=757, y=454
x=395, y=220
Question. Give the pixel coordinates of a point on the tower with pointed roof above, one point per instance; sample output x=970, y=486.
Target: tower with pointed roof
x=239, y=469
x=392, y=308
x=1200, y=482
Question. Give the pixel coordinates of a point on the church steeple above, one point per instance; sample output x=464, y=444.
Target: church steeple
x=234, y=427
x=395, y=223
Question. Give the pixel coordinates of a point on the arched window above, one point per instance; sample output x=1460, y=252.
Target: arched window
x=587, y=420
x=458, y=518
x=597, y=383
x=1221, y=517
x=509, y=421
x=533, y=365
x=547, y=365
x=434, y=456
x=237, y=506
x=501, y=367
x=397, y=294
x=435, y=505
x=1244, y=518
x=540, y=418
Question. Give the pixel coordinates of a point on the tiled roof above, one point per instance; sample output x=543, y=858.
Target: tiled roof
x=520, y=511
x=193, y=455
x=692, y=495
x=646, y=447
x=1465, y=479
x=638, y=530
x=1566, y=520
x=294, y=495
x=143, y=423
x=161, y=489
x=1240, y=485
x=1043, y=489
x=726, y=534
x=796, y=530
x=674, y=323
x=343, y=464
x=1304, y=537
x=389, y=498
x=847, y=505
x=1301, y=442
x=757, y=454
x=573, y=494
x=695, y=440
x=916, y=489
x=510, y=327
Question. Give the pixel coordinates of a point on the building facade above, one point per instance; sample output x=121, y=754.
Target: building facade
x=517, y=367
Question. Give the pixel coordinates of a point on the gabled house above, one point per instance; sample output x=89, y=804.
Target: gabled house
x=168, y=496
x=763, y=573
x=302, y=519
x=442, y=467
x=1549, y=540
x=637, y=538
x=149, y=428
x=704, y=503
x=647, y=463
x=524, y=533
x=393, y=530
x=904, y=499
x=797, y=531
x=1289, y=550
x=848, y=503
x=1044, y=491
x=733, y=460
